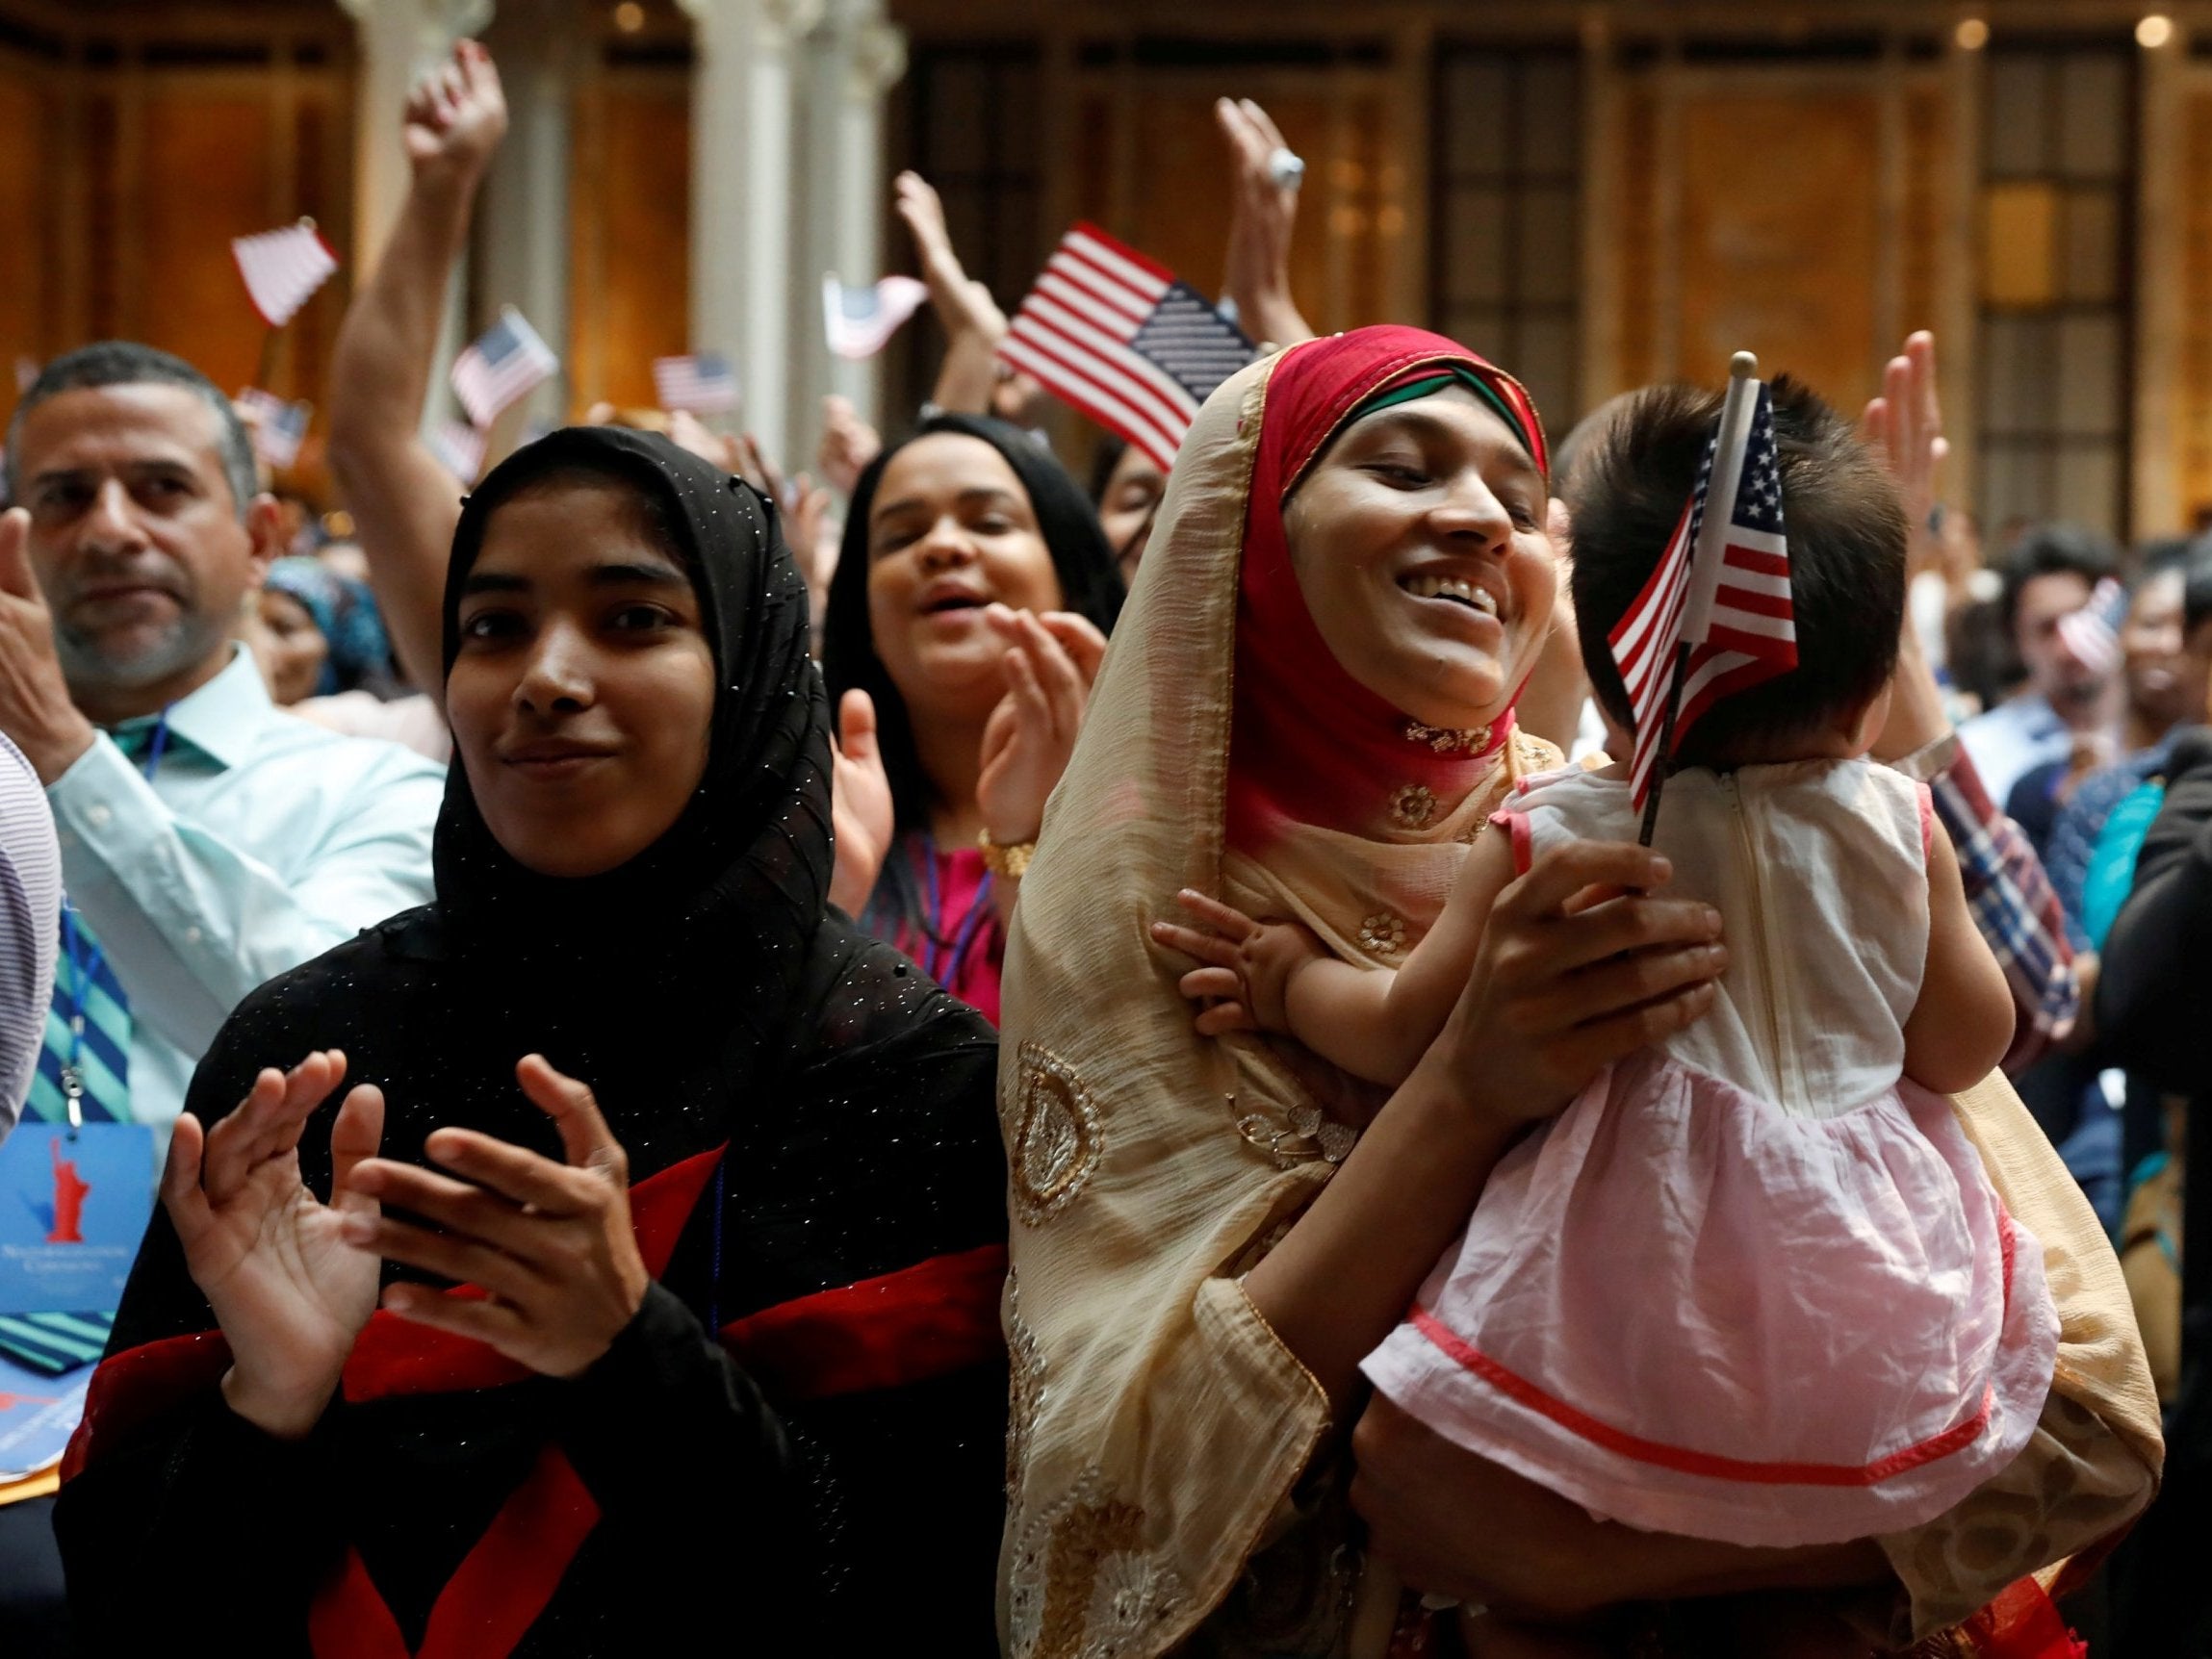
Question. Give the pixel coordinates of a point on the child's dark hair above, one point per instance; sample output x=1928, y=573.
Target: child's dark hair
x=1847, y=529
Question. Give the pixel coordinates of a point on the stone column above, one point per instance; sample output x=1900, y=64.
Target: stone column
x=741, y=199
x=520, y=253
x=855, y=60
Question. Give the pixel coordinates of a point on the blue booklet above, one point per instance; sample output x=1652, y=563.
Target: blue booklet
x=38, y=1414
x=73, y=1206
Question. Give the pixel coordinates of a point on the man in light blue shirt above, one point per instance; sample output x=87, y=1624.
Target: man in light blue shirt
x=2049, y=575
x=209, y=841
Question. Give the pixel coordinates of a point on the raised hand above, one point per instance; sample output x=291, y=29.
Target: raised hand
x=1905, y=426
x=1051, y=660
x=455, y=118
x=36, y=709
x=1256, y=271
x=289, y=1290
x=848, y=444
x=860, y=809
x=548, y=1242
x=961, y=306
x=1244, y=982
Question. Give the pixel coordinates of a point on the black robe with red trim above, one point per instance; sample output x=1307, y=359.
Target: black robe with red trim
x=828, y=1480
x=797, y=1446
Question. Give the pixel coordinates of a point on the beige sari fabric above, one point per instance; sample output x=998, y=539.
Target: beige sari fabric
x=1158, y=1426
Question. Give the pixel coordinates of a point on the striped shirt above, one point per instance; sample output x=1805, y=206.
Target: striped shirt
x=30, y=925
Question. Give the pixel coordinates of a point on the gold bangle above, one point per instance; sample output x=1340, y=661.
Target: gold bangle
x=1006, y=863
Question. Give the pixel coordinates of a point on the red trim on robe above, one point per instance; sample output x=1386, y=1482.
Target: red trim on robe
x=2023, y=1623
x=929, y=1320
x=494, y=1596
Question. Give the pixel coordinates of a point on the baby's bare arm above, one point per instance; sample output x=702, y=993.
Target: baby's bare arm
x=1960, y=1027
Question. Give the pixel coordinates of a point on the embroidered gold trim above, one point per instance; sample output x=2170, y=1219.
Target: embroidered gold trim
x=1383, y=934
x=1449, y=740
x=1025, y=1388
x=1057, y=1143
x=1081, y=1585
x=1412, y=806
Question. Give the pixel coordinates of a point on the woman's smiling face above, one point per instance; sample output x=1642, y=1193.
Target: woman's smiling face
x=1420, y=547
x=584, y=695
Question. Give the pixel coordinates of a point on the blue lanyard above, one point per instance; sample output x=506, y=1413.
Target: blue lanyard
x=85, y=959
x=935, y=962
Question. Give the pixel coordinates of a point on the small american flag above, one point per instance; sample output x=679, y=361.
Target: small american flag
x=278, y=427
x=502, y=365
x=2091, y=633
x=283, y=268
x=859, y=322
x=1118, y=337
x=1721, y=589
x=703, y=383
x=460, y=449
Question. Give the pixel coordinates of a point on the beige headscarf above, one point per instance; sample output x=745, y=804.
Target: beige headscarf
x=1159, y=1429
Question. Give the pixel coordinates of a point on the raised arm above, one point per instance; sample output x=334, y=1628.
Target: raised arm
x=1256, y=271
x=972, y=323
x=403, y=501
x=2008, y=893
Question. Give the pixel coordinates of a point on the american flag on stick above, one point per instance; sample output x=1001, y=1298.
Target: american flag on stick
x=859, y=322
x=703, y=383
x=283, y=268
x=1122, y=339
x=278, y=427
x=504, y=364
x=2091, y=633
x=1716, y=617
x=460, y=449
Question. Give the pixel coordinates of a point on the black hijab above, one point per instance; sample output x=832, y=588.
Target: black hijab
x=1090, y=585
x=824, y=1113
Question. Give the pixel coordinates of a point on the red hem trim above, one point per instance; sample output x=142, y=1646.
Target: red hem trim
x=1683, y=1460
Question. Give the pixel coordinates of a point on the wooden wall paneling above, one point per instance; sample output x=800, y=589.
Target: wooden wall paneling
x=2162, y=192
x=1604, y=255
x=2192, y=339
x=1637, y=233
x=1892, y=188
x=1781, y=225
x=632, y=209
x=1958, y=304
x=27, y=248
x=587, y=238
x=205, y=173
x=1403, y=228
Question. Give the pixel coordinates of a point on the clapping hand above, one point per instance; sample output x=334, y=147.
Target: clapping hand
x=1051, y=659
x=861, y=808
x=548, y=1241
x=288, y=1286
x=456, y=116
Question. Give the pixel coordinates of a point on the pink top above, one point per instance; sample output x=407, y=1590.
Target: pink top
x=962, y=947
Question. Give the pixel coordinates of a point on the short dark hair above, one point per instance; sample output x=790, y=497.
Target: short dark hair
x=2197, y=586
x=128, y=363
x=1847, y=529
x=2052, y=551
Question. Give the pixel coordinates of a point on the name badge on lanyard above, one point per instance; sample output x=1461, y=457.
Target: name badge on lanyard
x=74, y=1203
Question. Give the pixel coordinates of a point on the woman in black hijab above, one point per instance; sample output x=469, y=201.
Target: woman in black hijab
x=739, y=1119
x=967, y=619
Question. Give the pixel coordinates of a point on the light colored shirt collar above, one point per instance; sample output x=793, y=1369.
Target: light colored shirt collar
x=222, y=717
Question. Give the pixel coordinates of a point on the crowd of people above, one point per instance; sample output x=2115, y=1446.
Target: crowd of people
x=918, y=1053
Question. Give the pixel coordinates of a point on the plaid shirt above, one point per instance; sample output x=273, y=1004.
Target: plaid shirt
x=2015, y=907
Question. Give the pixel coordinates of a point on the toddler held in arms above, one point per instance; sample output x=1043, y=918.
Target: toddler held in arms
x=1752, y=1285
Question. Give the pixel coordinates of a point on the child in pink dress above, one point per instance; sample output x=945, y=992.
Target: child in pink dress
x=1753, y=1284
